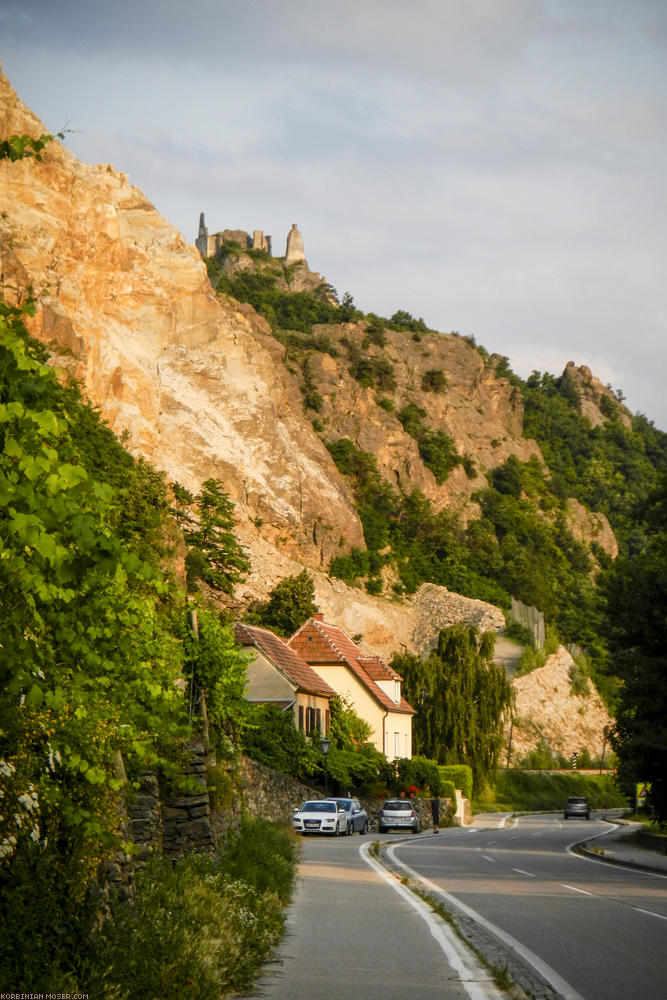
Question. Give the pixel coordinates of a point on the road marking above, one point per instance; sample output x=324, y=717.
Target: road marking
x=646, y=872
x=650, y=913
x=584, y=892
x=522, y=872
x=560, y=985
x=461, y=959
x=487, y=858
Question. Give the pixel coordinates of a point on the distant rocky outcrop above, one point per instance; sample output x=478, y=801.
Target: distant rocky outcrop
x=596, y=401
x=547, y=710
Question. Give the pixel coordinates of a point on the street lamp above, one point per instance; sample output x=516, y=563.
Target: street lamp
x=325, y=746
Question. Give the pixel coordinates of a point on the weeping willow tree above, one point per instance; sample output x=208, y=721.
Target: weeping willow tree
x=460, y=696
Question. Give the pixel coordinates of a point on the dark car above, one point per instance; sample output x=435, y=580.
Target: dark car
x=399, y=814
x=577, y=807
x=357, y=818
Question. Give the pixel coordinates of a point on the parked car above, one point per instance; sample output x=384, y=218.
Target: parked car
x=357, y=818
x=578, y=807
x=399, y=814
x=320, y=816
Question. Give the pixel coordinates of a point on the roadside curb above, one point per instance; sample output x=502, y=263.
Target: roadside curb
x=627, y=856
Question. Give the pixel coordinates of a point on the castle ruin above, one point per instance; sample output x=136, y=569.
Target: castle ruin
x=213, y=245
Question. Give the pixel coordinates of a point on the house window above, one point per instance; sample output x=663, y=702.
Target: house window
x=318, y=719
x=310, y=720
x=300, y=718
x=397, y=744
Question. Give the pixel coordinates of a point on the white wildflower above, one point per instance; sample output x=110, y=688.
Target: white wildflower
x=29, y=801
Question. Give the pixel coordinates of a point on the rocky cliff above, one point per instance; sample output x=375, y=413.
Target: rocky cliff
x=194, y=383
x=547, y=710
x=198, y=386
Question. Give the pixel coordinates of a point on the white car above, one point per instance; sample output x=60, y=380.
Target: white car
x=320, y=816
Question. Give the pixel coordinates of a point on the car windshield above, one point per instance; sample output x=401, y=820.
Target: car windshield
x=577, y=802
x=319, y=807
x=400, y=806
x=345, y=803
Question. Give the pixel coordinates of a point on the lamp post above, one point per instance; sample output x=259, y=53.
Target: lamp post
x=325, y=746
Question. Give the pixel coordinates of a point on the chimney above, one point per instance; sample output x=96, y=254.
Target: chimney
x=318, y=616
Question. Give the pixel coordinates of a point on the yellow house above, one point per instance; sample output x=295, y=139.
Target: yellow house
x=278, y=675
x=369, y=686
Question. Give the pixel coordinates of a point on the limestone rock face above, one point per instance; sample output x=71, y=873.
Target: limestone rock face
x=586, y=526
x=481, y=413
x=546, y=708
x=196, y=383
x=594, y=397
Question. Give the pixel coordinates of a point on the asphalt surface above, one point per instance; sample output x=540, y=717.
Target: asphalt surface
x=354, y=930
x=563, y=925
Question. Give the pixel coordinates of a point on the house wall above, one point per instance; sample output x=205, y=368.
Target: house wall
x=346, y=685
x=391, y=688
x=398, y=735
x=317, y=702
x=265, y=683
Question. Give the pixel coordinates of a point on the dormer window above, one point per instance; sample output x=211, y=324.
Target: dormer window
x=397, y=692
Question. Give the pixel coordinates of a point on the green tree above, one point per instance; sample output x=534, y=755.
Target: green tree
x=460, y=696
x=353, y=762
x=290, y=604
x=88, y=660
x=215, y=663
x=214, y=554
x=636, y=602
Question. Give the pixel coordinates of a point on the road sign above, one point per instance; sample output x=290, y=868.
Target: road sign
x=641, y=791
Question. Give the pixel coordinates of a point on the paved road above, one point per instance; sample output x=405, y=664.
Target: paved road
x=592, y=929
x=356, y=933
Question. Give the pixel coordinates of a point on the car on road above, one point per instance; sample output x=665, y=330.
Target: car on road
x=399, y=814
x=320, y=816
x=357, y=818
x=577, y=807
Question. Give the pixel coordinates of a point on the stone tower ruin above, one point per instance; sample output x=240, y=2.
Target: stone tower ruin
x=294, y=252
x=211, y=246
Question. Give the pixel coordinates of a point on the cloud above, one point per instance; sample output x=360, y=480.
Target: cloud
x=496, y=168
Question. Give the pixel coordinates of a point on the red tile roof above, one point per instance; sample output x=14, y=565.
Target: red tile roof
x=282, y=656
x=320, y=643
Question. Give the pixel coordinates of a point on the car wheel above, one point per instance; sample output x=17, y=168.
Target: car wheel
x=364, y=828
x=350, y=828
x=382, y=829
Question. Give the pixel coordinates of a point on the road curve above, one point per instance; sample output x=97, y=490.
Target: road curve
x=586, y=929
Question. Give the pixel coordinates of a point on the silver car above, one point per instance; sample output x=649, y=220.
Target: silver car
x=578, y=807
x=399, y=814
x=357, y=818
x=320, y=816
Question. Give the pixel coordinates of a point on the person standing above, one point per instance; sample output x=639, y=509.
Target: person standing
x=435, y=813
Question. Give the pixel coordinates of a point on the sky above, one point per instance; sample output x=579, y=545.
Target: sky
x=496, y=167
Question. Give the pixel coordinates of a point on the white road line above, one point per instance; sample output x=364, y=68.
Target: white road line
x=474, y=978
x=487, y=858
x=560, y=985
x=650, y=913
x=522, y=872
x=584, y=892
x=615, y=864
